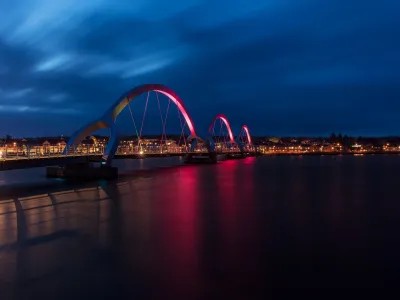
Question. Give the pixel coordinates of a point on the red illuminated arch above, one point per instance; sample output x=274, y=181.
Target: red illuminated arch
x=123, y=101
x=228, y=126
x=247, y=131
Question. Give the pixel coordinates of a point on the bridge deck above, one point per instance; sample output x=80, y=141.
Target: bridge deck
x=25, y=162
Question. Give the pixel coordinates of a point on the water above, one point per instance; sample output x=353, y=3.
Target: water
x=232, y=230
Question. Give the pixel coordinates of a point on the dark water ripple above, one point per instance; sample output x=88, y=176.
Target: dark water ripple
x=237, y=229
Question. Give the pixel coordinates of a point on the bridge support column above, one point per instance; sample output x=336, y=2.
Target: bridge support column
x=204, y=158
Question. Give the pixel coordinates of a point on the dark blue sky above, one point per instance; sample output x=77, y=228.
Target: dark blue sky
x=284, y=67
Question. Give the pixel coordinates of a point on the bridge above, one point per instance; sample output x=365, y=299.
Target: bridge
x=76, y=159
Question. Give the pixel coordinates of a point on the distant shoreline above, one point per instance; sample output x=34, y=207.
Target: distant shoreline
x=332, y=153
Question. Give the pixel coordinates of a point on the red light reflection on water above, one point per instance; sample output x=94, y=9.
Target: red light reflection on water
x=175, y=219
x=239, y=256
x=202, y=225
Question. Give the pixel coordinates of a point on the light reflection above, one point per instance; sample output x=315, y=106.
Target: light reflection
x=175, y=220
x=238, y=219
x=33, y=231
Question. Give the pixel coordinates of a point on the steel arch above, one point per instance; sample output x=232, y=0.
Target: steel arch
x=109, y=117
x=249, y=142
x=247, y=131
x=227, y=124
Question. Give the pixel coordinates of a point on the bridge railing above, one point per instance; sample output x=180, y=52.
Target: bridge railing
x=35, y=152
x=144, y=149
x=223, y=148
x=38, y=152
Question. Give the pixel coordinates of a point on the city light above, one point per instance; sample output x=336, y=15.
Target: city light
x=23, y=149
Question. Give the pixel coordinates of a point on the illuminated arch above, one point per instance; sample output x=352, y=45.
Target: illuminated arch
x=123, y=101
x=242, y=146
x=108, y=119
x=247, y=131
x=227, y=124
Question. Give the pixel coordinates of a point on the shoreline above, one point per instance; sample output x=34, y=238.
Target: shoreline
x=331, y=153
x=18, y=190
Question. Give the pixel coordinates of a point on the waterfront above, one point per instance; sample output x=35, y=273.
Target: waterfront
x=233, y=229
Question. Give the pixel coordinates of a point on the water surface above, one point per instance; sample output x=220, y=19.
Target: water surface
x=233, y=230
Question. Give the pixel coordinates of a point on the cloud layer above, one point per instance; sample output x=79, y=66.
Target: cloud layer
x=281, y=66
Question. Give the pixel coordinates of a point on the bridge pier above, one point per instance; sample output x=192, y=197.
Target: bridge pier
x=213, y=157
x=236, y=156
x=240, y=155
x=82, y=171
x=204, y=158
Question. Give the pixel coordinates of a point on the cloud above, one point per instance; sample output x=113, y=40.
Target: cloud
x=37, y=109
x=58, y=98
x=53, y=63
x=15, y=94
x=256, y=61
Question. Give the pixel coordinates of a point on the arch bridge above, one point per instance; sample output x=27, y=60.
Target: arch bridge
x=108, y=120
x=209, y=146
x=228, y=142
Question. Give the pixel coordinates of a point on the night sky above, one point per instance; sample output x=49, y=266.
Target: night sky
x=284, y=67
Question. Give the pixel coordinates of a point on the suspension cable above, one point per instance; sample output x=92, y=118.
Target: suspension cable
x=144, y=114
x=162, y=122
x=183, y=135
x=163, y=119
x=221, y=134
x=166, y=118
x=133, y=120
x=213, y=135
x=180, y=124
x=182, y=128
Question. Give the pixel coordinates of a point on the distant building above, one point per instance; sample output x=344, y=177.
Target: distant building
x=274, y=140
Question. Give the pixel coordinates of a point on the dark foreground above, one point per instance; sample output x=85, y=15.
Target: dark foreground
x=234, y=230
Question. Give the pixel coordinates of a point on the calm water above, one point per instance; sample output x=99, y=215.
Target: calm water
x=231, y=230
